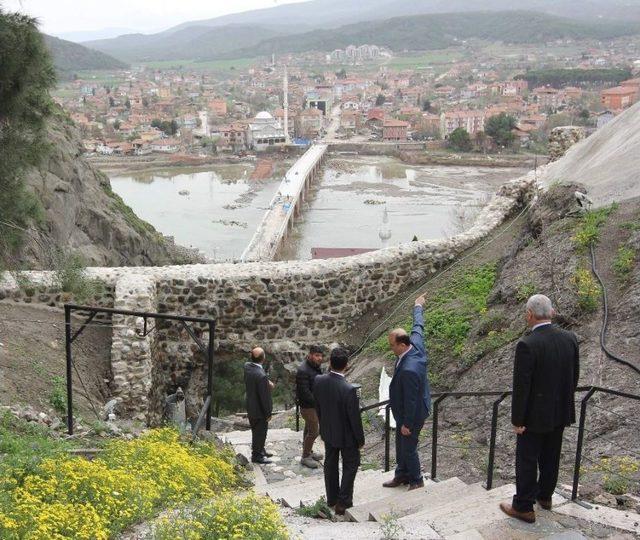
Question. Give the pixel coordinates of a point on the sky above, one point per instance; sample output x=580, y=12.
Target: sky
x=63, y=16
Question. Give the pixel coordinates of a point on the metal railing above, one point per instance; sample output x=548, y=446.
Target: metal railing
x=439, y=397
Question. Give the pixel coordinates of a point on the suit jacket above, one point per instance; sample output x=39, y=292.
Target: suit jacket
x=338, y=410
x=258, y=392
x=409, y=390
x=545, y=375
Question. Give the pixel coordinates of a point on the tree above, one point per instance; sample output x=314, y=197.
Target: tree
x=342, y=74
x=116, y=125
x=426, y=105
x=459, y=139
x=127, y=104
x=380, y=100
x=500, y=129
x=168, y=127
x=26, y=76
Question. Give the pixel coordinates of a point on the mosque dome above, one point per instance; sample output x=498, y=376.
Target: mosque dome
x=263, y=115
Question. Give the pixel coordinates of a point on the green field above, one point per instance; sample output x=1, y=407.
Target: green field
x=212, y=65
x=424, y=60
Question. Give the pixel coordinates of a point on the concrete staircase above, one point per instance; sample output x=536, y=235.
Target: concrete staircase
x=446, y=509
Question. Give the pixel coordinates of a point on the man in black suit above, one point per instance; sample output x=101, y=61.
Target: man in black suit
x=341, y=430
x=259, y=404
x=545, y=377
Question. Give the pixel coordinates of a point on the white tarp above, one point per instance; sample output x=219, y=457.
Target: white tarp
x=383, y=395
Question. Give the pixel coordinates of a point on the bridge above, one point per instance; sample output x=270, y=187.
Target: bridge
x=285, y=206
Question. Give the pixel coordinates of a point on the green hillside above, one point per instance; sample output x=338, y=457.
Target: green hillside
x=425, y=32
x=69, y=57
x=192, y=43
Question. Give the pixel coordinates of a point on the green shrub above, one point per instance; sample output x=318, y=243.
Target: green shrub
x=317, y=509
x=587, y=289
x=70, y=275
x=623, y=262
x=58, y=395
x=525, y=291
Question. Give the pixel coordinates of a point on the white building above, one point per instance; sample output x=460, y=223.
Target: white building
x=265, y=131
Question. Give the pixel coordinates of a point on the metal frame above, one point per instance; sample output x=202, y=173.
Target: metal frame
x=93, y=311
x=501, y=396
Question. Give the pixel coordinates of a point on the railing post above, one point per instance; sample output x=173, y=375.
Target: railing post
x=67, y=337
x=387, y=437
x=492, y=443
x=297, y=417
x=434, y=436
x=576, y=467
x=209, y=413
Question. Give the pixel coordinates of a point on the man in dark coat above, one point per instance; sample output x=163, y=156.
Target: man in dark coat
x=259, y=404
x=305, y=376
x=410, y=398
x=341, y=429
x=545, y=376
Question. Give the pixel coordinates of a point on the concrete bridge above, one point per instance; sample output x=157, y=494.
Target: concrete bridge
x=285, y=206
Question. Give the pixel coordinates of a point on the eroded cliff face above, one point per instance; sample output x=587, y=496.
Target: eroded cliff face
x=82, y=214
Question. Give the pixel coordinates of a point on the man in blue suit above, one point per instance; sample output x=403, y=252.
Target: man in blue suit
x=410, y=398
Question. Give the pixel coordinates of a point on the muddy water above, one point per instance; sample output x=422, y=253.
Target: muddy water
x=218, y=210
x=346, y=209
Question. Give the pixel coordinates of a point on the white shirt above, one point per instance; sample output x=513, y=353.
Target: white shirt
x=540, y=324
x=337, y=373
x=259, y=365
x=402, y=356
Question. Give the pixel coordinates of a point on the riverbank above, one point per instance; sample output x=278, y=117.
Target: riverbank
x=498, y=161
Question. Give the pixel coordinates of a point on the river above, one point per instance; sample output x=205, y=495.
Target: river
x=218, y=210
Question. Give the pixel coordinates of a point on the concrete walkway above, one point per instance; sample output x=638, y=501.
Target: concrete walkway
x=270, y=233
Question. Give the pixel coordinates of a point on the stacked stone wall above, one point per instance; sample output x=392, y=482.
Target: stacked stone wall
x=281, y=306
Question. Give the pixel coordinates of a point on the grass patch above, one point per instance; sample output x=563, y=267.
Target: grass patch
x=58, y=395
x=70, y=274
x=624, y=262
x=317, y=509
x=588, y=227
x=450, y=312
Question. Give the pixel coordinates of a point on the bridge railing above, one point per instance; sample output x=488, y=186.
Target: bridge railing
x=439, y=397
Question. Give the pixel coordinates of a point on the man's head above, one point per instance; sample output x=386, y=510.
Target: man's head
x=539, y=310
x=399, y=341
x=316, y=355
x=257, y=355
x=339, y=359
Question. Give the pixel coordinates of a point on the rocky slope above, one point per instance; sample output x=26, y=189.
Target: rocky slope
x=82, y=214
x=539, y=254
x=607, y=162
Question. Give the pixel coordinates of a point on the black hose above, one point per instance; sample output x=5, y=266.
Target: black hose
x=605, y=318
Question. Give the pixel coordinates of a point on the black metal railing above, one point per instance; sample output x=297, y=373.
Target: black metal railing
x=439, y=397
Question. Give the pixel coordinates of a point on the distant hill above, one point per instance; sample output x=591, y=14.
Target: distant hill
x=69, y=57
x=425, y=32
x=334, y=13
x=188, y=43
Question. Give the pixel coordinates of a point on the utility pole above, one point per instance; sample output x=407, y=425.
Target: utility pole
x=287, y=140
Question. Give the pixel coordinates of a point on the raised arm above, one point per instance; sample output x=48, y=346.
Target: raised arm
x=417, y=331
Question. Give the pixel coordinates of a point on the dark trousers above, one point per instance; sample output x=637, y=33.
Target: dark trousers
x=259, y=427
x=340, y=491
x=536, y=452
x=407, y=460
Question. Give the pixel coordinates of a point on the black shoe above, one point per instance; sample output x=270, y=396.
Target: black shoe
x=261, y=460
x=266, y=454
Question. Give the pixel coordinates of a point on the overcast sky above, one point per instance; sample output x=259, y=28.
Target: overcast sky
x=62, y=16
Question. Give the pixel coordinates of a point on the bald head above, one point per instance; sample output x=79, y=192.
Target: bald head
x=399, y=341
x=257, y=355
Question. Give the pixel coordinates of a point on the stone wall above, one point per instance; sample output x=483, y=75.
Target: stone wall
x=282, y=306
x=562, y=138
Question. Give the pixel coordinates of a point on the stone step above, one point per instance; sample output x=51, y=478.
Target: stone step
x=625, y=520
x=367, y=488
x=463, y=513
x=406, y=502
x=243, y=437
x=309, y=490
x=327, y=530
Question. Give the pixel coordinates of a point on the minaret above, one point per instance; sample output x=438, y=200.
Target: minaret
x=286, y=106
x=385, y=231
